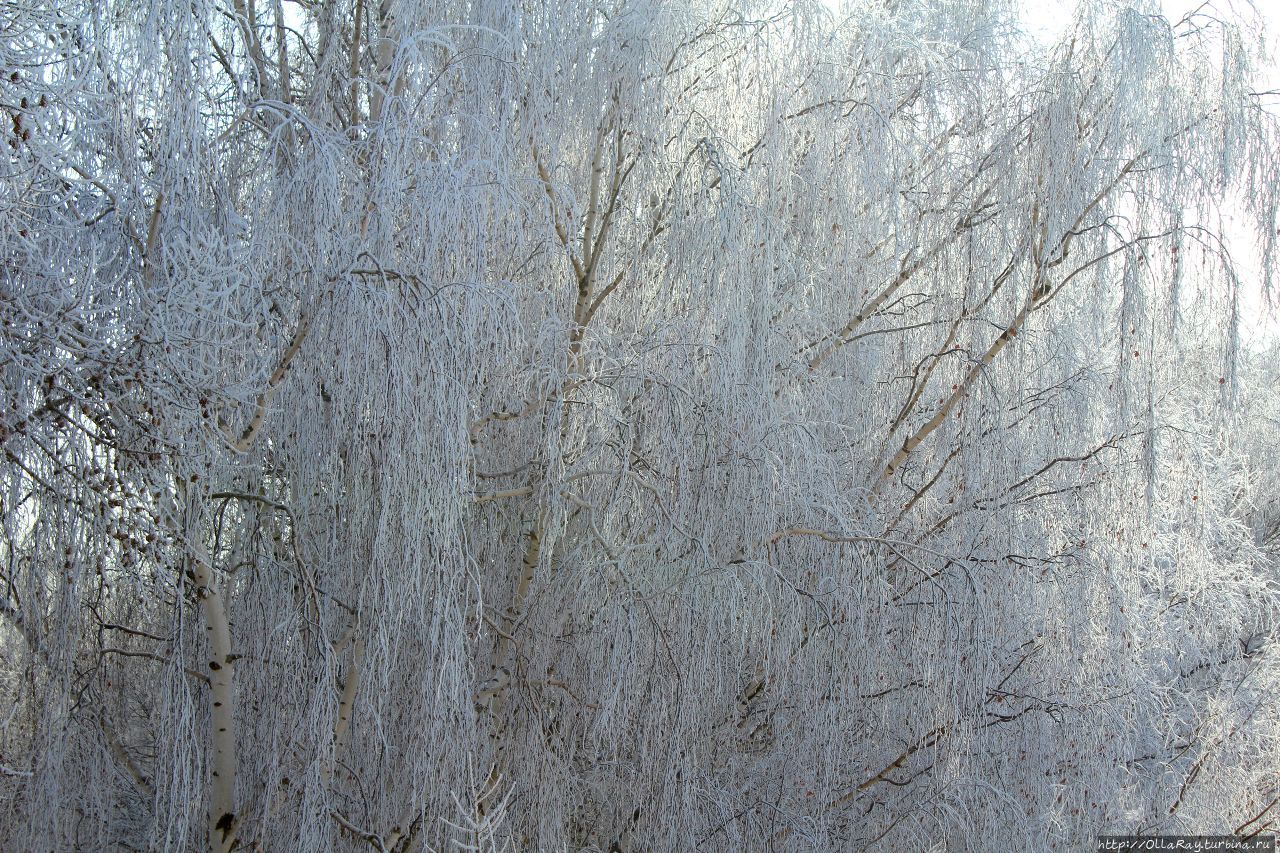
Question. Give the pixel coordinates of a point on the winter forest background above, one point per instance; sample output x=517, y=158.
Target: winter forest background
x=635, y=425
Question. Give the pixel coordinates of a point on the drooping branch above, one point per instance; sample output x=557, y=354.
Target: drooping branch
x=909, y=267
x=245, y=439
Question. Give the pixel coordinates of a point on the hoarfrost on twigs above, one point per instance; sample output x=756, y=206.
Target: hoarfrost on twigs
x=636, y=426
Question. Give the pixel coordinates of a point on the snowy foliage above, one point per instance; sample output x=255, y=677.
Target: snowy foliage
x=631, y=425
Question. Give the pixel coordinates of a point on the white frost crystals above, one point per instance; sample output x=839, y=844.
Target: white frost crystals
x=631, y=425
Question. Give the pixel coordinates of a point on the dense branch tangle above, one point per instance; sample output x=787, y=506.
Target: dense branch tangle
x=626, y=426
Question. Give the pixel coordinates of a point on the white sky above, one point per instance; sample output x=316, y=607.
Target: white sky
x=1261, y=323
x=1048, y=18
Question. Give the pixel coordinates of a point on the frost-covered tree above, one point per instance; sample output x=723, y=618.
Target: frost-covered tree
x=629, y=425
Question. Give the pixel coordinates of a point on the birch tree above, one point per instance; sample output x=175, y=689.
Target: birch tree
x=630, y=426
